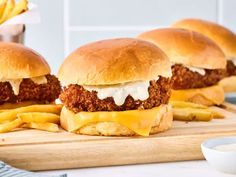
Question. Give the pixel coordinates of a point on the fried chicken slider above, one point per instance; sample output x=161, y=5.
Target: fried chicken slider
x=223, y=37
x=198, y=64
x=25, y=77
x=116, y=87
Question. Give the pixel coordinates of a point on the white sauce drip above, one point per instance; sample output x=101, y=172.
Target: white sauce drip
x=226, y=147
x=39, y=80
x=198, y=70
x=119, y=92
x=234, y=61
x=193, y=69
x=172, y=64
x=15, y=83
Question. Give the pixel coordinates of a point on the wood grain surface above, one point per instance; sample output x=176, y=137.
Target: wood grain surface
x=39, y=150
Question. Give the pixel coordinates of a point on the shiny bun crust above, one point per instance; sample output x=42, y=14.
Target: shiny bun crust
x=225, y=38
x=114, y=61
x=18, y=61
x=116, y=129
x=187, y=47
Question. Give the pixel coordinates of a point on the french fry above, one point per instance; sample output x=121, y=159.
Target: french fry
x=7, y=10
x=2, y=1
x=51, y=127
x=7, y=116
x=48, y=108
x=192, y=114
x=11, y=114
x=4, y=110
x=9, y=126
x=3, y=4
x=19, y=8
x=197, y=108
x=39, y=117
x=217, y=115
x=7, y=106
x=185, y=104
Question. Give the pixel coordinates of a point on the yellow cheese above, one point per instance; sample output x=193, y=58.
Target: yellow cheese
x=228, y=84
x=214, y=94
x=140, y=121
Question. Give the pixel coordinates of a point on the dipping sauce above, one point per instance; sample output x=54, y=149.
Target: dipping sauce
x=226, y=147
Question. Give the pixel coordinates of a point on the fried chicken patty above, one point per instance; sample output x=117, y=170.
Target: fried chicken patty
x=77, y=99
x=30, y=91
x=231, y=68
x=183, y=78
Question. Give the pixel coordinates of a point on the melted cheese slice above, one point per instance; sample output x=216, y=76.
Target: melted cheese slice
x=140, y=121
x=209, y=93
x=228, y=83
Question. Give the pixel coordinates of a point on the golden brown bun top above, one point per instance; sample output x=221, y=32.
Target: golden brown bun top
x=114, y=61
x=225, y=38
x=18, y=61
x=187, y=47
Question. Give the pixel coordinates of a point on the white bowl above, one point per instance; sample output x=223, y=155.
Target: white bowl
x=231, y=97
x=220, y=160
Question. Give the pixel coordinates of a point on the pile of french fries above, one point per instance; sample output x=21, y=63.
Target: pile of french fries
x=41, y=117
x=46, y=117
x=186, y=111
x=9, y=9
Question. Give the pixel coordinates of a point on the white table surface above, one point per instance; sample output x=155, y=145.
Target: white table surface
x=183, y=169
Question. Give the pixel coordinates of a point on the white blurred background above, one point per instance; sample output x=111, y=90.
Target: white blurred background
x=68, y=24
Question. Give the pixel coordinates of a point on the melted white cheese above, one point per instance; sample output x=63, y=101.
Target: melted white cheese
x=234, y=61
x=119, y=92
x=193, y=69
x=226, y=147
x=198, y=70
x=39, y=80
x=15, y=83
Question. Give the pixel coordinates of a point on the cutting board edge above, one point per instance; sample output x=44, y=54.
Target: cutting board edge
x=84, y=154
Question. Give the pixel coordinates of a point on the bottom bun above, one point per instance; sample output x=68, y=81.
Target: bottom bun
x=208, y=96
x=228, y=84
x=123, y=123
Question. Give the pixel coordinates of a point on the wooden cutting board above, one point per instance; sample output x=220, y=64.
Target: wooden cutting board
x=39, y=150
